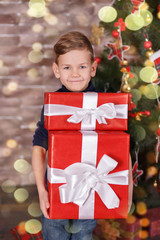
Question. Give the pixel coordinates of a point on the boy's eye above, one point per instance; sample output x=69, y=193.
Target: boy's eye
x=66, y=68
x=82, y=67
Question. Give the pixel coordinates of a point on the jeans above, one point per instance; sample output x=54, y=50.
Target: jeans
x=64, y=229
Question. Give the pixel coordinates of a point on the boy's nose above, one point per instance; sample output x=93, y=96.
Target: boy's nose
x=75, y=73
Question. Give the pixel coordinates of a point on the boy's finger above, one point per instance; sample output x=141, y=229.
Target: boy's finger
x=45, y=213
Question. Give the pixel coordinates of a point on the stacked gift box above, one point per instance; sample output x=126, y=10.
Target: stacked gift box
x=88, y=154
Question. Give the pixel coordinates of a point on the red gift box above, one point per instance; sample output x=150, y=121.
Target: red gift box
x=88, y=174
x=85, y=111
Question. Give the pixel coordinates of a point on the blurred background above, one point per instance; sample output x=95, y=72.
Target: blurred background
x=126, y=40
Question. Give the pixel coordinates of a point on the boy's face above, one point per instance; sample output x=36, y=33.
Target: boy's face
x=74, y=69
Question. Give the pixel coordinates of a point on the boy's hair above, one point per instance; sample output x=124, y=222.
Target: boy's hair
x=72, y=41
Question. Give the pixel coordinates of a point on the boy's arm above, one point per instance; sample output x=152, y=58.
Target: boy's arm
x=130, y=188
x=38, y=164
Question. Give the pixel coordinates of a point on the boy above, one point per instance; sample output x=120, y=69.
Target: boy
x=74, y=65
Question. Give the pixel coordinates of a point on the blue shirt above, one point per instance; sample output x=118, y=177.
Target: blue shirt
x=40, y=138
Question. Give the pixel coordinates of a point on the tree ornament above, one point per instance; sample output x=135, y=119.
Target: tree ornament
x=147, y=17
x=107, y=14
x=115, y=34
x=158, y=14
x=156, y=59
x=126, y=87
x=124, y=62
x=149, y=53
x=134, y=21
x=117, y=49
x=98, y=60
x=97, y=33
x=158, y=132
x=120, y=24
x=136, y=173
x=137, y=4
x=147, y=44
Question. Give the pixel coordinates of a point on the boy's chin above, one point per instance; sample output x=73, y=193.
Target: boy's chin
x=77, y=87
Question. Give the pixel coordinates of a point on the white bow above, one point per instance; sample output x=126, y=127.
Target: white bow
x=81, y=178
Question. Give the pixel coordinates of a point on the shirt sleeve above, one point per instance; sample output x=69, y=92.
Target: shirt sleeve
x=40, y=137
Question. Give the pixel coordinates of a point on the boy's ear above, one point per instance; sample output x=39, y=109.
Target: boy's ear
x=56, y=70
x=93, y=68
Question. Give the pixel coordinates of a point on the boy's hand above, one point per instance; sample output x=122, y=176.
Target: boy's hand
x=44, y=203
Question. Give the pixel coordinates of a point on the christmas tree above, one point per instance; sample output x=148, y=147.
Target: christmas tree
x=130, y=63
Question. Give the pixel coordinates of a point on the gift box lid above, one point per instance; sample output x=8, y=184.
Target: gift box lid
x=85, y=111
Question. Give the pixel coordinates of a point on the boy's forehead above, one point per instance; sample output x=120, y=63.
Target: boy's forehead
x=75, y=55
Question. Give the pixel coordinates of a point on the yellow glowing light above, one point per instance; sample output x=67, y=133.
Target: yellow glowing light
x=152, y=171
x=8, y=186
x=21, y=166
x=6, y=152
x=21, y=195
x=32, y=73
x=148, y=63
x=33, y=226
x=34, y=3
x=148, y=74
x=12, y=86
x=141, y=208
x=131, y=219
x=144, y=222
x=37, y=46
x=147, y=16
x=1, y=63
x=134, y=22
x=11, y=143
x=143, y=234
x=34, y=209
x=35, y=56
x=144, y=6
x=152, y=91
x=142, y=89
x=107, y=14
x=37, y=28
x=51, y=19
x=21, y=228
x=36, y=11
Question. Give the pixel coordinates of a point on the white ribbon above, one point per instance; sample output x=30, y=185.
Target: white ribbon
x=89, y=113
x=83, y=179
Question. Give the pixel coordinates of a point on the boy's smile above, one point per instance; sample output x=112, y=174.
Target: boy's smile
x=75, y=69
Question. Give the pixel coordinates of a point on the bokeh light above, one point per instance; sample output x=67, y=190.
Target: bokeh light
x=37, y=8
x=147, y=16
x=11, y=143
x=6, y=152
x=134, y=22
x=32, y=73
x=151, y=171
x=22, y=166
x=133, y=81
x=21, y=228
x=144, y=6
x=131, y=219
x=152, y=91
x=8, y=186
x=37, y=46
x=34, y=209
x=51, y=19
x=148, y=74
x=12, y=86
x=144, y=222
x=143, y=234
x=21, y=195
x=107, y=14
x=33, y=226
x=35, y=56
x=141, y=208
x=140, y=133
x=37, y=28
x=136, y=95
